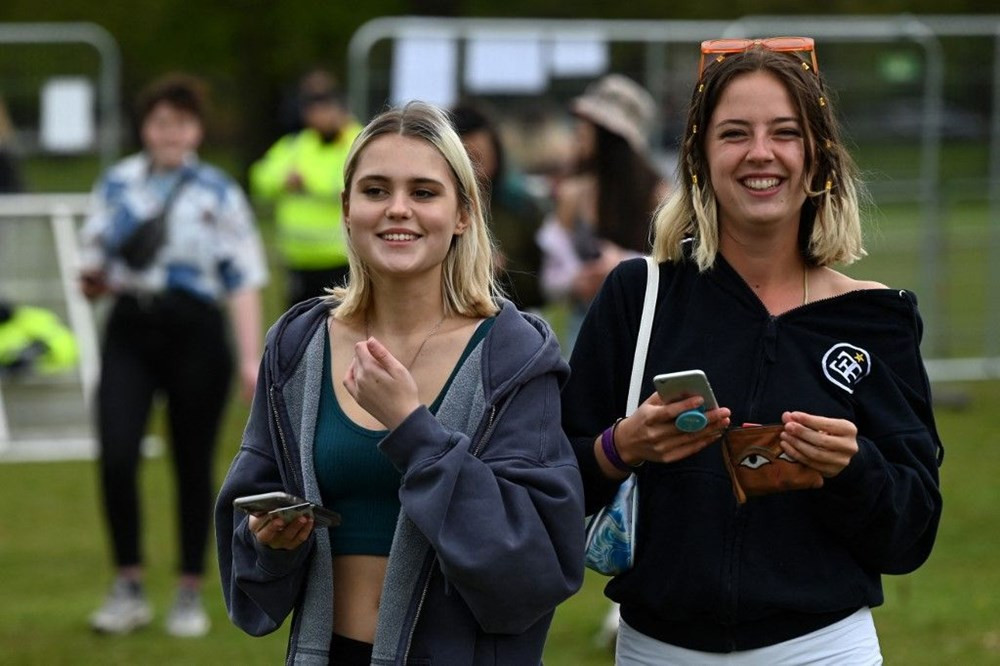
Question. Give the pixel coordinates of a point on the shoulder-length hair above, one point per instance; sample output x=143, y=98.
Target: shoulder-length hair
x=468, y=283
x=830, y=222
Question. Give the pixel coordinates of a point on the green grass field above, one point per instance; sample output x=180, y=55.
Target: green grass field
x=54, y=565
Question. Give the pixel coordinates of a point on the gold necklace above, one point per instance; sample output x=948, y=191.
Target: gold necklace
x=427, y=337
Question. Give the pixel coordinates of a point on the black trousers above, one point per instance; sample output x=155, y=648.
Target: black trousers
x=304, y=284
x=346, y=651
x=174, y=345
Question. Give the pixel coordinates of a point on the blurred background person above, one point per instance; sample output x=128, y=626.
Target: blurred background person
x=604, y=208
x=302, y=175
x=514, y=214
x=166, y=333
x=10, y=172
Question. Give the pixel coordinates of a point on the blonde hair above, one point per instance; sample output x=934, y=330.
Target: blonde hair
x=468, y=283
x=830, y=223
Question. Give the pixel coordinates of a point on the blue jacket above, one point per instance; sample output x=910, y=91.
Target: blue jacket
x=490, y=536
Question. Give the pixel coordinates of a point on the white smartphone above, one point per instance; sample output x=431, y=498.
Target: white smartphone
x=286, y=506
x=674, y=386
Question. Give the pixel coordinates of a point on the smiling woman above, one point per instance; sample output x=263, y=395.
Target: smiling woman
x=418, y=404
x=828, y=365
x=402, y=211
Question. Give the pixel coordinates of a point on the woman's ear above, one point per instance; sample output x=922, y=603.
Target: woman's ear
x=345, y=210
x=463, y=222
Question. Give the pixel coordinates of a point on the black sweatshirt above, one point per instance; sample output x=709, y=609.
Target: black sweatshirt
x=716, y=576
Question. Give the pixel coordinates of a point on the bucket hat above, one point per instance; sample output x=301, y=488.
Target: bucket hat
x=619, y=105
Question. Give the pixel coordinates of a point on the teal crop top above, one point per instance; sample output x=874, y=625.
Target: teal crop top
x=355, y=479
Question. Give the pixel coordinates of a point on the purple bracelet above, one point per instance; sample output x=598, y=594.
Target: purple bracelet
x=611, y=451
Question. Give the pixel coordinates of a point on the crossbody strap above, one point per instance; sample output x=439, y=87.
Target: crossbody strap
x=186, y=176
x=642, y=341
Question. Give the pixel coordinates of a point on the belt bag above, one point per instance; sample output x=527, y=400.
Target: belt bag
x=141, y=246
x=757, y=464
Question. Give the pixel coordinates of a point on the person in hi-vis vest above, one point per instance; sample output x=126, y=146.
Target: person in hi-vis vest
x=302, y=175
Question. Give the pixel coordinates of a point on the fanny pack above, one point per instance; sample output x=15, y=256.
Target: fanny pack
x=142, y=245
x=757, y=464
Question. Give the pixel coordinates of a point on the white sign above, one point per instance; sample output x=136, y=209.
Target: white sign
x=424, y=68
x=67, y=124
x=579, y=55
x=509, y=63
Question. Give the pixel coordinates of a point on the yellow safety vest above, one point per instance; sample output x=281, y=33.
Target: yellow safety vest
x=309, y=223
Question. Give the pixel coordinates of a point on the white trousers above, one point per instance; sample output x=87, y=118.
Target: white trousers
x=851, y=641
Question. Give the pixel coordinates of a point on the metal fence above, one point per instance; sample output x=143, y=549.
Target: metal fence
x=17, y=37
x=47, y=416
x=926, y=123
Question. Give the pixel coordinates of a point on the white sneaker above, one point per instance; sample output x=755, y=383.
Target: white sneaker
x=125, y=609
x=187, y=617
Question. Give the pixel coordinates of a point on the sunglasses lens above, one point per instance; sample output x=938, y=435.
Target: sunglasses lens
x=725, y=45
x=788, y=43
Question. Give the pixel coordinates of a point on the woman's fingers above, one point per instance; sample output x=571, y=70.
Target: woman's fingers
x=652, y=434
x=275, y=533
x=825, y=444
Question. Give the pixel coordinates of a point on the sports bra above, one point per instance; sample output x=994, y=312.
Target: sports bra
x=355, y=478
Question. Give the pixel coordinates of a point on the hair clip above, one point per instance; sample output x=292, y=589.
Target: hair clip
x=822, y=101
x=720, y=58
x=829, y=185
x=701, y=87
x=694, y=179
x=694, y=129
x=805, y=65
x=829, y=144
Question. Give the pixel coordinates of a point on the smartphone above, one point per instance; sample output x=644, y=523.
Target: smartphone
x=286, y=506
x=676, y=386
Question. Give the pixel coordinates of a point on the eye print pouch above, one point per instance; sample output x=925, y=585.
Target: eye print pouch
x=757, y=465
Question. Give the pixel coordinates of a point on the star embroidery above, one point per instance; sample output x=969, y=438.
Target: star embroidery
x=859, y=357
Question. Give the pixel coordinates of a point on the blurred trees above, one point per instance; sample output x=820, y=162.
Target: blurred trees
x=252, y=51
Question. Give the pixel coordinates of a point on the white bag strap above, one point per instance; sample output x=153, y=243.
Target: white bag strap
x=642, y=342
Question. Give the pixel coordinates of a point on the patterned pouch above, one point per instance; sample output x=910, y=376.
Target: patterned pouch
x=757, y=465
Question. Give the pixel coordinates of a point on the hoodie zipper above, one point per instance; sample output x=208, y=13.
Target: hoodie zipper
x=281, y=435
x=768, y=355
x=429, y=568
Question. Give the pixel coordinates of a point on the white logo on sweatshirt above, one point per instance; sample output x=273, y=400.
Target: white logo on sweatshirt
x=845, y=365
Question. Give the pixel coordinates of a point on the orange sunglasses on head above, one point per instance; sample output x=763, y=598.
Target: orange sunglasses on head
x=782, y=44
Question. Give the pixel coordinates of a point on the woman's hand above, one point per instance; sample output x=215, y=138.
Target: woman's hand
x=274, y=533
x=381, y=384
x=592, y=273
x=827, y=445
x=650, y=433
x=93, y=284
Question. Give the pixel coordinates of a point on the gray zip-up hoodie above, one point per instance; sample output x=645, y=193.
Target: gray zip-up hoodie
x=490, y=536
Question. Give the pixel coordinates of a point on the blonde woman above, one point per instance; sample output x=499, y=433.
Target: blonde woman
x=749, y=295
x=425, y=410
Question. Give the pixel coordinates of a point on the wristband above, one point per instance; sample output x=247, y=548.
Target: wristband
x=611, y=451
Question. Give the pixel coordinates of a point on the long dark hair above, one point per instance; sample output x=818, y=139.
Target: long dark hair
x=626, y=192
